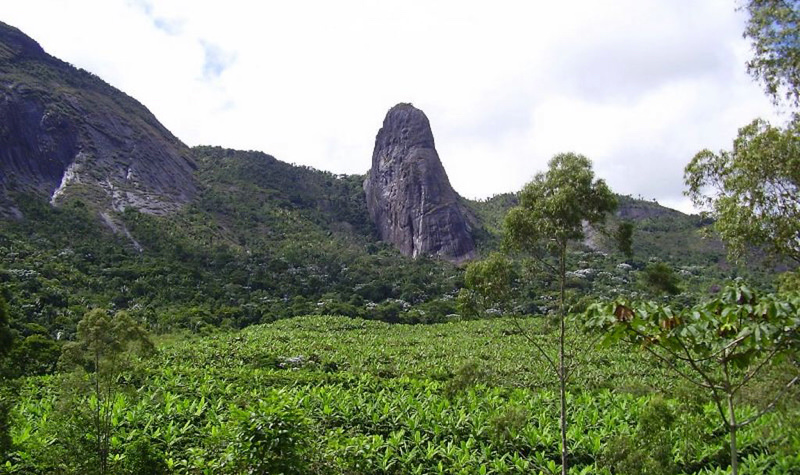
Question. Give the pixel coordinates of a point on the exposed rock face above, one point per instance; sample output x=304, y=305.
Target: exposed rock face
x=408, y=194
x=66, y=133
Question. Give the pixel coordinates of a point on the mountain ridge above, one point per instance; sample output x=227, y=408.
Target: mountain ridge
x=67, y=134
x=244, y=237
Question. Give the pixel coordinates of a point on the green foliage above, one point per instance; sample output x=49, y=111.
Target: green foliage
x=555, y=204
x=774, y=32
x=325, y=380
x=5, y=328
x=720, y=346
x=272, y=437
x=195, y=274
x=467, y=376
x=648, y=450
x=100, y=354
x=142, y=458
x=659, y=277
x=624, y=238
x=103, y=342
x=6, y=402
x=508, y=426
x=789, y=282
x=552, y=212
x=754, y=189
x=6, y=339
x=490, y=283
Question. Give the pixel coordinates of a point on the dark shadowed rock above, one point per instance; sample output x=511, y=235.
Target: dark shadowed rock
x=65, y=133
x=408, y=194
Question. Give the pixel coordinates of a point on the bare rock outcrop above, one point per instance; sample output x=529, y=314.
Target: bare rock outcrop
x=65, y=133
x=409, y=196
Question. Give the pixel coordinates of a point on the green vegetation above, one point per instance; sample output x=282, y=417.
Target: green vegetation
x=169, y=347
x=772, y=29
x=754, y=189
x=99, y=356
x=552, y=211
x=719, y=346
x=5, y=346
x=659, y=278
x=339, y=395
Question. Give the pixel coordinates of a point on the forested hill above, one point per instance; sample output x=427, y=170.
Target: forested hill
x=105, y=208
x=264, y=239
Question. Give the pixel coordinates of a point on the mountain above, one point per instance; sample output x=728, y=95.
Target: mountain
x=408, y=194
x=65, y=134
x=219, y=237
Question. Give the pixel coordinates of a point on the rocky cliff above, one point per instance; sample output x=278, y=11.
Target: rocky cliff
x=65, y=133
x=408, y=194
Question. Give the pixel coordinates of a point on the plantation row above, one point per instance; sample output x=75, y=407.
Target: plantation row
x=339, y=395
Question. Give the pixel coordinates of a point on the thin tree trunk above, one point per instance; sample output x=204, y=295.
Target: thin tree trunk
x=732, y=427
x=731, y=414
x=562, y=375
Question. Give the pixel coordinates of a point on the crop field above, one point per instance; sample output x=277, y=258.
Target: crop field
x=334, y=395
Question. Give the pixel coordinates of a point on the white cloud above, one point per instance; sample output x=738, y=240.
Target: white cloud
x=638, y=86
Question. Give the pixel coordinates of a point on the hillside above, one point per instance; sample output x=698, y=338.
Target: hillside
x=66, y=134
x=104, y=207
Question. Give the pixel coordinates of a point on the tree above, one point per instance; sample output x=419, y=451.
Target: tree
x=487, y=284
x=719, y=346
x=552, y=211
x=774, y=31
x=659, y=278
x=754, y=189
x=623, y=236
x=100, y=354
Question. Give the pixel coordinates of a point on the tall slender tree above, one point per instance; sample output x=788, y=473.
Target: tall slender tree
x=552, y=212
x=100, y=354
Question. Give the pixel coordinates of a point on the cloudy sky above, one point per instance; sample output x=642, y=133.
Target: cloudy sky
x=638, y=86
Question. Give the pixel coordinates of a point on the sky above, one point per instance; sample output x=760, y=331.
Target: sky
x=637, y=86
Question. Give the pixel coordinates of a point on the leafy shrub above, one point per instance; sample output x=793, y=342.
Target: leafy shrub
x=141, y=458
x=506, y=426
x=659, y=277
x=649, y=449
x=270, y=438
x=467, y=375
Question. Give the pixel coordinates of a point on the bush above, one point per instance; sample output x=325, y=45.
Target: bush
x=270, y=438
x=467, y=375
x=649, y=450
x=141, y=458
x=659, y=278
x=506, y=426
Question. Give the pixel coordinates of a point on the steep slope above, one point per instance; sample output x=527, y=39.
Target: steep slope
x=64, y=133
x=409, y=196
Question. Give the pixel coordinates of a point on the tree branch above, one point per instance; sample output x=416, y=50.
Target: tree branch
x=536, y=345
x=751, y=374
x=771, y=405
x=714, y=388
x=672, y=365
